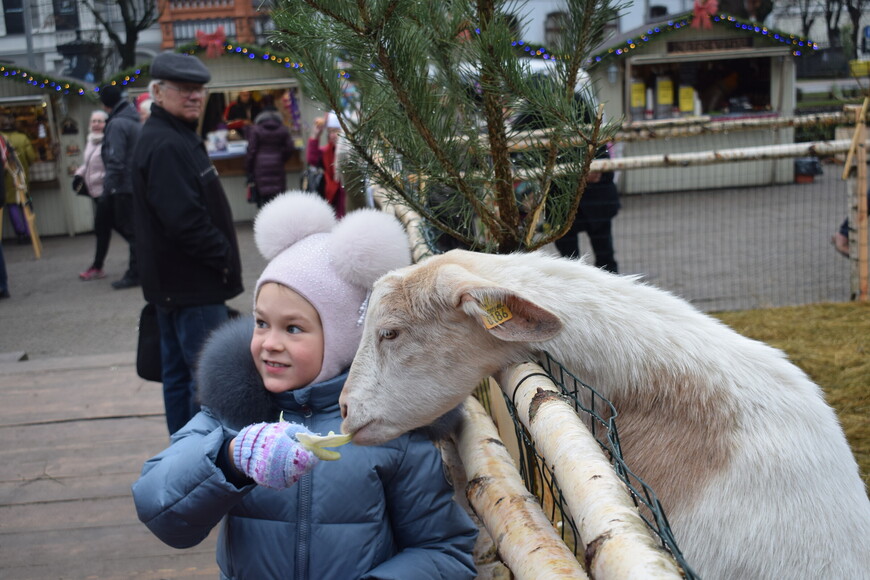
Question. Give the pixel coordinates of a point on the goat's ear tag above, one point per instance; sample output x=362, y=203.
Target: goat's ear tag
x=496, y=313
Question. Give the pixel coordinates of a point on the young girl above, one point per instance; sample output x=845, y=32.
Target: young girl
x=376, y=512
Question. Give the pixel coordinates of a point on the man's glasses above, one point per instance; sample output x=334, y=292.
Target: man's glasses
x=187, y=92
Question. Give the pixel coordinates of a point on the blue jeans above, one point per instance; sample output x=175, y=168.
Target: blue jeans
x=182, y=334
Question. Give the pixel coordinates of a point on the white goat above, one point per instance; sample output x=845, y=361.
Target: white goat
x=751, y=464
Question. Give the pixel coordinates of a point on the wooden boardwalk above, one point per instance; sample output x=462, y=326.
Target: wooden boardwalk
x=75, y=434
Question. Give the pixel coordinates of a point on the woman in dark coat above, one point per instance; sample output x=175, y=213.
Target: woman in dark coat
x=269, y=148
x=598, y=206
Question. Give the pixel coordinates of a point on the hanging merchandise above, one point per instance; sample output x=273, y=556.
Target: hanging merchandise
x=687, y=100
x=637, y=96
x=664, y=107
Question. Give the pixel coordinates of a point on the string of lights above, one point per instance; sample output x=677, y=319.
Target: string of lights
x=800, y=46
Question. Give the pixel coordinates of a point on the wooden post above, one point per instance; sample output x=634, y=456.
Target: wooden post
x=858, y=232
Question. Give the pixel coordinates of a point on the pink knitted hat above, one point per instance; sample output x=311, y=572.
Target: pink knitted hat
x=331, y=264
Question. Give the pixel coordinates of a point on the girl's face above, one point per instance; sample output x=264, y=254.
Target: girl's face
x=287, y=345
x=98, y=123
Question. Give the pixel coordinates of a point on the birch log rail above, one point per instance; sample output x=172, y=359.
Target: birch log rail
x=526, y=540
x=617, y=542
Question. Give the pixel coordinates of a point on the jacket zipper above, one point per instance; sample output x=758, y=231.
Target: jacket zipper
x=303, y=545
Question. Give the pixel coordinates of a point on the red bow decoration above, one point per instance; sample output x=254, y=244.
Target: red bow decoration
x=212, y=43
x=702, y=12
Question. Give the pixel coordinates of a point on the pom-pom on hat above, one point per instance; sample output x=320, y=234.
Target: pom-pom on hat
x=332, y=264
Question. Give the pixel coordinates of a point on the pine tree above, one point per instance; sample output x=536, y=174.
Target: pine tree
x=439, y=86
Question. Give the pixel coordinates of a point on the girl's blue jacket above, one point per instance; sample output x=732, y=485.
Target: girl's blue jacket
x=383, y=512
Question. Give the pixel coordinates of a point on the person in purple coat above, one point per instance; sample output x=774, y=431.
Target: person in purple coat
x=269, y=148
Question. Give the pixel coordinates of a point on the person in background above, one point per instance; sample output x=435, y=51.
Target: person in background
x=26, y=155
x=145, y=109
x=91, y=173
x=325, y=158
x=189, y=255
x=4, y=278
x=286, y=509
x=119, y=142
x=269, y=148
x=241, y=113
x=841, y=237
x=598, y=206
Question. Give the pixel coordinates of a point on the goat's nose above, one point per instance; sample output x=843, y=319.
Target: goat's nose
x=343, y=411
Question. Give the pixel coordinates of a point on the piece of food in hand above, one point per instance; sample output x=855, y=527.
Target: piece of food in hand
x=316, y=444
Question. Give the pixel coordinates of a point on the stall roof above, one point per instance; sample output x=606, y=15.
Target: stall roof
x=632, y=42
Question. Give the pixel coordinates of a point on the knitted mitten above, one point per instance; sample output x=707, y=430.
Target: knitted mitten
x=269, y=454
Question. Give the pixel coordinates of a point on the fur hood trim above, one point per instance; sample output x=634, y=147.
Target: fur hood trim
x=227, y=380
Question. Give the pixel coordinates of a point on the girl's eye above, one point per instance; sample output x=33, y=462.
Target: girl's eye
x=388, y=334
x=259, y=323
x=293, y=329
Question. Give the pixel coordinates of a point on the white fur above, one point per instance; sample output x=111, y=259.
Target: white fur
x=752, y=466
x=288, y=218
x=367, y=243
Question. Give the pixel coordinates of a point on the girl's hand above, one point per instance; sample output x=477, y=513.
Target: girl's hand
x=269, y=454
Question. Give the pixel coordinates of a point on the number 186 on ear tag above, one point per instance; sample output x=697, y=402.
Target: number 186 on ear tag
x=497, y=313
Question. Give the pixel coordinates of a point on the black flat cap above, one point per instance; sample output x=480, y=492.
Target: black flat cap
x=182, y=68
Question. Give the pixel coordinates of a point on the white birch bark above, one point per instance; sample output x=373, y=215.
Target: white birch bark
x=526, y=540
x=618, y=544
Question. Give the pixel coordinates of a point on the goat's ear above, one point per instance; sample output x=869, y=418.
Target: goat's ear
x=510, y=317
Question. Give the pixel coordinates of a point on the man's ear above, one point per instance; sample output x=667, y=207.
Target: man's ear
x=508, y=316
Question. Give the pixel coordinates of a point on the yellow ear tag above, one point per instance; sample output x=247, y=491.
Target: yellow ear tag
x=496, y=313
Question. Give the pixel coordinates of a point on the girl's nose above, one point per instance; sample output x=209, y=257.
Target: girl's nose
x=271, y=341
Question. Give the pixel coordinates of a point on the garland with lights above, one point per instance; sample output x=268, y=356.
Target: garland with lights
x=42, y=81
x=251, y=53
x=797, y=43
x=257, y=53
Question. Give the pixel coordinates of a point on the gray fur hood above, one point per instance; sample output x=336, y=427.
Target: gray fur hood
x=228, y=382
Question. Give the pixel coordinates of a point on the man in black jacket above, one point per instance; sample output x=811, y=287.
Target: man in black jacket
x=119, y=142
x=188, y=252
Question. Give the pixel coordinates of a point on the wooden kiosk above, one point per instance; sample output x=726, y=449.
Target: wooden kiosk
x=676, y=71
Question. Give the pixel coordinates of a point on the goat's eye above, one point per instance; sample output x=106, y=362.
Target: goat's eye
x=388, y=334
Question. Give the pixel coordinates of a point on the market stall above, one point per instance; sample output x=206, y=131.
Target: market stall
x=693, y=69
x=53, y=114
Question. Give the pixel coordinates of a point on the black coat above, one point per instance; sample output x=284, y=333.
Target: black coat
x=600, y=201
x=123, y=128
x=269, y=148
x=185, y=237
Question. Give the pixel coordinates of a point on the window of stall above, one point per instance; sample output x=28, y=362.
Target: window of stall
x=235, y=109
x=231, y=111
x=727, y=87
x=32, y=116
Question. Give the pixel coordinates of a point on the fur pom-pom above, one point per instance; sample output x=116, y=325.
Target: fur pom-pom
x=288, y=218
x=367, y=244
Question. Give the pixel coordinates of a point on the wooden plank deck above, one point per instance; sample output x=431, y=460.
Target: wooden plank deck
x=75, y=434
